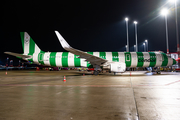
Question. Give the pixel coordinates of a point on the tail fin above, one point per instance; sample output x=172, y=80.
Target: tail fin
x=29, y=46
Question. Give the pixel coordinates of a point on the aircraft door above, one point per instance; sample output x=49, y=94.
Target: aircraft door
x=40, y=57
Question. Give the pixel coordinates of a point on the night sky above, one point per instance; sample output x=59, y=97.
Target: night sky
x=88, y=26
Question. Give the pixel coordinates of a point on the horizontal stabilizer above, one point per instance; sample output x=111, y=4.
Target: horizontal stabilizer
x=18, y=55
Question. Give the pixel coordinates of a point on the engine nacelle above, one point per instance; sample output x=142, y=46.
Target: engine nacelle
x=118, y=67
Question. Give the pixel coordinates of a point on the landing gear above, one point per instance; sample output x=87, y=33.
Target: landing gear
x=97, y=68
x=96, y=72
x=158, y=72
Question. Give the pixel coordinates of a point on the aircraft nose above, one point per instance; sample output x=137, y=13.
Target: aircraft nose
x=174, y=61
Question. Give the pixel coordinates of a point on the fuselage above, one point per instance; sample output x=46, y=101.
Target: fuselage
x=131, y=59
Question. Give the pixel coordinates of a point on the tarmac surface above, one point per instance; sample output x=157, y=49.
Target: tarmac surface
x=43, y=95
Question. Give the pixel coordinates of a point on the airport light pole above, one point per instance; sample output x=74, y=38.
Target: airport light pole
x=146, y=41
x=144, y=47
x=134, y=48
x=126, y=19
x=177, y=33
x=164, y=12
x=135, y=23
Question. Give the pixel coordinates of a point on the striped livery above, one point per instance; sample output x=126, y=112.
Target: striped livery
x=132, y=59
x=67, y=59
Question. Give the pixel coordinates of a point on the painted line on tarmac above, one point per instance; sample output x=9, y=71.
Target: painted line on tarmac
x=172, y=83
x=66, y=85
x=80, y=85
x=89, y=85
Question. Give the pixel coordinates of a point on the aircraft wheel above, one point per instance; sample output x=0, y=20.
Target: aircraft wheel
x=96, y=72
x=159, y=72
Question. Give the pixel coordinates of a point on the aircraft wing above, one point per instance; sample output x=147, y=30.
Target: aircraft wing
x=94, y=60
x=18, y=55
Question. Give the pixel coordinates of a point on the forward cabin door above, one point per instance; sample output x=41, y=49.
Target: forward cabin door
x=128, y=59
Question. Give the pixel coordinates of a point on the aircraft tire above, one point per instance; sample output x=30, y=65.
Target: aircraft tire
x=96, y=72
x=159, y=72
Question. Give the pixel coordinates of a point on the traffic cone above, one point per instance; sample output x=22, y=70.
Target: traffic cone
x=37, y=68
x=64, y=78
x=6, y=72
x=130, y=73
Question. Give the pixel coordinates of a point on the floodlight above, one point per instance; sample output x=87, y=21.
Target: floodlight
x=172, y=1
x=126, y=19
x=135, y=22
x=164, y=12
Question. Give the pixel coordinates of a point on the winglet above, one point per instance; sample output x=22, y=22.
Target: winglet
x=62, y=40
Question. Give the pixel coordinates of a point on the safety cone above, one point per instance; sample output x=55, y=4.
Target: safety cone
x=83, y=74
x=6, y=72
x=37, y=68
x=64, y=78
x=130, y=73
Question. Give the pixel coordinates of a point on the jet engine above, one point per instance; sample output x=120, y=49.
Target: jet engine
x=116, y=67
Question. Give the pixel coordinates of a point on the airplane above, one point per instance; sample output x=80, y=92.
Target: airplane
x=115, y=62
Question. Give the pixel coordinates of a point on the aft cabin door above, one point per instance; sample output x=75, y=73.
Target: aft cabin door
x=40, y=57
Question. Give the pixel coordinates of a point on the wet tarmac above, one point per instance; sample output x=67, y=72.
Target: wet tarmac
x=43, y=95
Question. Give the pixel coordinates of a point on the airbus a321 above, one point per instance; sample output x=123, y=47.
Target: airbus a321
x=115, y=62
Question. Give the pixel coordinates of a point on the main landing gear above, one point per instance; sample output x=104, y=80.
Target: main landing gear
x=97, y=68
x=157, y=70
x=96, y=72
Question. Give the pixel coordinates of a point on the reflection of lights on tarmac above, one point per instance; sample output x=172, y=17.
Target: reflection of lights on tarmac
x=149, y=73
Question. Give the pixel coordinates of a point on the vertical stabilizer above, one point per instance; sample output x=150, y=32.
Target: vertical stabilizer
x=29, y=46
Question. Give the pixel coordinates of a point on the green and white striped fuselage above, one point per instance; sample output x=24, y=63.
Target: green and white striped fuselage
x=132, y=59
